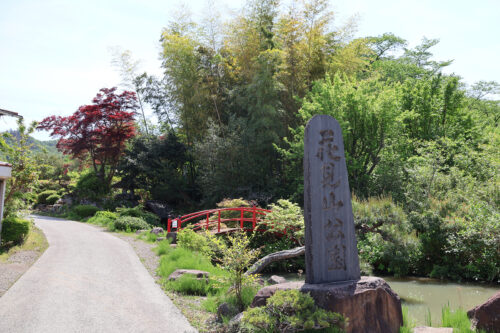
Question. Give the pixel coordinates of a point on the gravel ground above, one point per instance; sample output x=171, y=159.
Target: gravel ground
x=14, y=267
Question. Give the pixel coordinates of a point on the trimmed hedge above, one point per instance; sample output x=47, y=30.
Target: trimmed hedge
x=103, y=217
x=131, y=223
x=52, y=199
x=138, y=211
x=43, y=196
x=15, y=230
x=83, y=211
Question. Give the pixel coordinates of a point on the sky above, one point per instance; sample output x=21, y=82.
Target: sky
x=55, y=54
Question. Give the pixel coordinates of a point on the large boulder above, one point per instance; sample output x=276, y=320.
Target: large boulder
x=180, y=272
x=369, y=303
x=487, y=316
x=226, y=310
x=157, y=230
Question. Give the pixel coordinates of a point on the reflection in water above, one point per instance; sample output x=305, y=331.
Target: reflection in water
x=426, y=297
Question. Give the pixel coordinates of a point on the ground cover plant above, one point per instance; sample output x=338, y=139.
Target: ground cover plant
x=291, y=311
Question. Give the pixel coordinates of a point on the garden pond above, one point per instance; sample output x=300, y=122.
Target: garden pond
x=426, y=297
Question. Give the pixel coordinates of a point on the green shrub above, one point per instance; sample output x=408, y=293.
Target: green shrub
x=43, y=196
x=291, y=311
x=52, y=199
x=138, y=211
x=14, y=230
x=130, y=223
x=83, y=211
x=91, y=187
x=103, y=217
x=286, y=218
x=385, y=240
x=203, y=242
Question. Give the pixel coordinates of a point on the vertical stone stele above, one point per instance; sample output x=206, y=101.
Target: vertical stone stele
x=331, y=250
x=332, y=265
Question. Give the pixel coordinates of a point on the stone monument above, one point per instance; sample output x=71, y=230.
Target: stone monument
x=331, y=250
x=332, y=265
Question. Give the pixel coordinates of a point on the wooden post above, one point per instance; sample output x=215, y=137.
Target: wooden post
x=218, y=223
x=241, y=222
x=207, y=222
x=254, y=219
x=169, y=224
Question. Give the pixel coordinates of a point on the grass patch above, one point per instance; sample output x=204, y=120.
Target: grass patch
x=224, y=296
x=457, y=319
x=35, y=241
x=408, y=323
x=181, y=258
x=163, y=247
x=150, y=237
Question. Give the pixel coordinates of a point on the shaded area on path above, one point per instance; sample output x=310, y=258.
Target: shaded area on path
x=87, y=281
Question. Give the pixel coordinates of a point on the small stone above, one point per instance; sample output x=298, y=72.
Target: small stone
x=225, y=310
x=427, y=329
x=487, y=315
x=157, y=230
x=138, y=232
x=159, y=239
x=180, y=272
x=276, y=279
x=236, y=319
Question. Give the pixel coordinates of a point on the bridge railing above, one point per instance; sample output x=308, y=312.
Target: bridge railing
x=212, y=217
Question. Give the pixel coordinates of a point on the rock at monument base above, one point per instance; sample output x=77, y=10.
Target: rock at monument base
x=180, y=272
x=487, y=316
x=369, y=303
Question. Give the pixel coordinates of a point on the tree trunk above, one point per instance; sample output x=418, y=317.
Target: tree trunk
x=273, y=257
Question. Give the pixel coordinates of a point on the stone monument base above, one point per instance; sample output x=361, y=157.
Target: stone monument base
x=369, y=303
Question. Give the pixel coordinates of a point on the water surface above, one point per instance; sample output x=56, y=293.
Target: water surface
x=426, y=297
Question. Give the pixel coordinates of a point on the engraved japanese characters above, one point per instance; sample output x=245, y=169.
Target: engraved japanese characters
x=331, y=252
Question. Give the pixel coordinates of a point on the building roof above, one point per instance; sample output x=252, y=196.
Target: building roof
x=9, y=113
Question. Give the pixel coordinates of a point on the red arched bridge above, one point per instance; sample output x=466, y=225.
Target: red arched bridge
x=245, y=218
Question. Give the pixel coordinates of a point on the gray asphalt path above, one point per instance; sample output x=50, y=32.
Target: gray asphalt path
x=87, y=281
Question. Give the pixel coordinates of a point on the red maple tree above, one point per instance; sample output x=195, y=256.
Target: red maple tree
x=98, y=130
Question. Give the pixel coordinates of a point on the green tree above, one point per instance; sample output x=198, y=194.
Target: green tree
x=366, y=111
x=25, y=167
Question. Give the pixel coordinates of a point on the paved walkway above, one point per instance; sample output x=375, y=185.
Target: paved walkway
x=87, y=281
